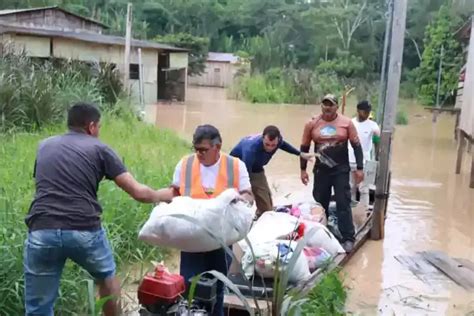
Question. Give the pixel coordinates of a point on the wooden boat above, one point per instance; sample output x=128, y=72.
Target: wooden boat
x=263, y=291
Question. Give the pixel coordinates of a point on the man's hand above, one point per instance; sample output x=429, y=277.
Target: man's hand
x=358, y=176
x=304, y=177
x=307, y=156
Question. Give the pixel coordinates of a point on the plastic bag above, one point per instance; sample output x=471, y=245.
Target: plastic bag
x=266, y=256
x=229, y=221
x=269, y=227
x=316, y=257
x=322, y=238
x=310, y=211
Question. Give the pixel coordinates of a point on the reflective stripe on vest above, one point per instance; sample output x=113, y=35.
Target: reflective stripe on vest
x=227, y=177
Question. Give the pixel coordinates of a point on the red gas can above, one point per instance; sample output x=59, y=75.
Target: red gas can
x=160, y=287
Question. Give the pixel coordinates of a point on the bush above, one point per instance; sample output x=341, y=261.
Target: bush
x=277, y=85
x=402, y=118
x=150, y=154
x=35, y=93
x=328, y=297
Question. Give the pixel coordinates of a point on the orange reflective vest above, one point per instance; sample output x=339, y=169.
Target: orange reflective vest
x=190, y=178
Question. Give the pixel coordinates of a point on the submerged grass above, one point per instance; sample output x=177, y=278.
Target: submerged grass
x=150, y=154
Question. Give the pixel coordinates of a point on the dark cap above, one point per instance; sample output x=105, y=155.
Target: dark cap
x=331, y=98
x=364, y=106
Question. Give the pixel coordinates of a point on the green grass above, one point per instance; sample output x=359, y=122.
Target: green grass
x=150, y=154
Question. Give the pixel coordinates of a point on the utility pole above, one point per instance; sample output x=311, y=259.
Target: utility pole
x=128, y=38
x=383, y=72
x=390, y=110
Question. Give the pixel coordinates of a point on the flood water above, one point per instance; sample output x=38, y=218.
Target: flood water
x=430, y=208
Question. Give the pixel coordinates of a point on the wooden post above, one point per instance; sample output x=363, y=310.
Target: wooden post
x=471, y=185
x=390, y=110
x=456, y=125
x=128, y=37
x=461, y=149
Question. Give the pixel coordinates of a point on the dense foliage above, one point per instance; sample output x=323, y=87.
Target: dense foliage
x=276, y=33
x=440, y=47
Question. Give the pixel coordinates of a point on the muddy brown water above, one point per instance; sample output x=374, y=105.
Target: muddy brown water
x=430, y=207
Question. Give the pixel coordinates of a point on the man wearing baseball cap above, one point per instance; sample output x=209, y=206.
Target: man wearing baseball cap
x=369, y=134
x=330, y=132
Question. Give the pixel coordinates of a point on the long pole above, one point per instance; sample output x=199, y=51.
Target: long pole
x=438, y=87
x=140, y=82
x=391, y=99
x=383, y=72
x=128, y=37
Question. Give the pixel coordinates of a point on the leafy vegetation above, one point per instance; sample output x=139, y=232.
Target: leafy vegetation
x=328, y=297
x=340, y=37
x=35, y=93
x=150, y=154
x=440, y=46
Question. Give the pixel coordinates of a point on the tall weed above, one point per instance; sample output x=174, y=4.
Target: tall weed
x=36, y=92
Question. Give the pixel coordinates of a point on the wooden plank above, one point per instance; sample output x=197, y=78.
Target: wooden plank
x=232, y=301
x=455, y=271
x=420, y=267
x=440, y=110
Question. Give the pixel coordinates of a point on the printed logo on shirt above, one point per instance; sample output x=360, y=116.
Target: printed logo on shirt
x=208, y=191
x=328, y=131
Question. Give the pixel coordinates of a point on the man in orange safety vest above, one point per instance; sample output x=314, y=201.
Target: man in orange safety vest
x=205, y=175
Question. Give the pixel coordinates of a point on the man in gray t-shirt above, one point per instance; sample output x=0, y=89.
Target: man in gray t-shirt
x=64, y=217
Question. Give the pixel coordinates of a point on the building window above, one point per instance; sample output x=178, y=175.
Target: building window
x=134, y=72
x=217, y=70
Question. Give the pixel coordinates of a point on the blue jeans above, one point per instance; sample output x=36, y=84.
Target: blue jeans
x=45, y=254
x=193, y=264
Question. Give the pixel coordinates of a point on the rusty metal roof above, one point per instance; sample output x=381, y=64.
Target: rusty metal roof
x=86, y=37
x=55, y=7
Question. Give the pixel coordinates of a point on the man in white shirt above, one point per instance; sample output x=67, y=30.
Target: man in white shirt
x=369, y=134
x=205, y=175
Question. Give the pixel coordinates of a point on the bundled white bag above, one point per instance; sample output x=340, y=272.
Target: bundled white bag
x=321, y=237
x=269, y=227
x=227, y=220
x=266, y=256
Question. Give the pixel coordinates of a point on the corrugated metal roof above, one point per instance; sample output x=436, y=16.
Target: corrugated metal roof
x=222, y=57
x=55, y=7
x=86, y=37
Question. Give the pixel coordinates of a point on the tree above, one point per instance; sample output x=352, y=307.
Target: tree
x=439, y=39
x=198, y=46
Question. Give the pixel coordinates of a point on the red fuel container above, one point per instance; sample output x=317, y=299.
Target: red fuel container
x=160, y=287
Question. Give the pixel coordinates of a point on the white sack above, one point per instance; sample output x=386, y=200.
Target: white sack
x=266, y=256
x=230, y=222
x=321, y=237
x=269, y=227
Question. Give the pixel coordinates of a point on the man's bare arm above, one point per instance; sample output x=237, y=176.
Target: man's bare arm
x=141, y=192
